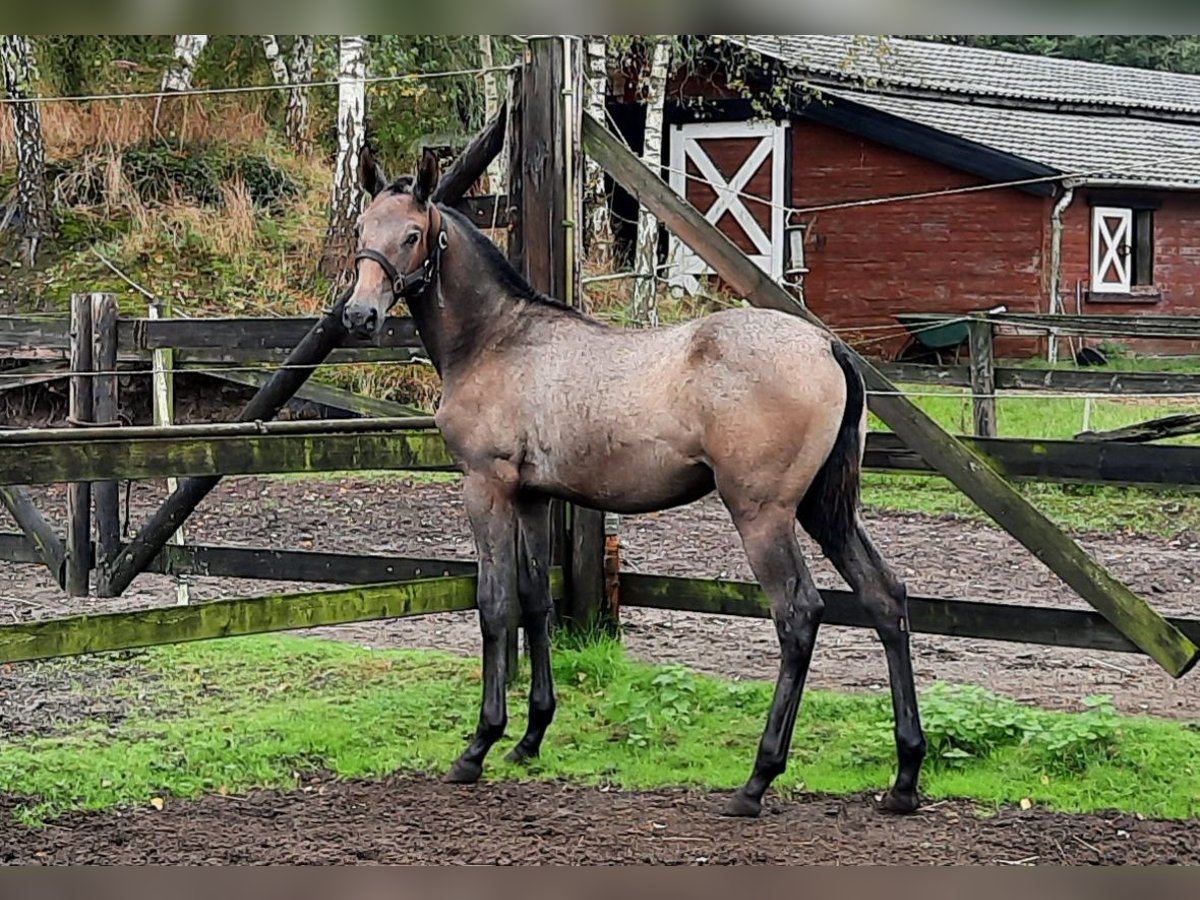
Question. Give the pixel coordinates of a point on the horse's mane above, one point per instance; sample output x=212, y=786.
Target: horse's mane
x=511, y=281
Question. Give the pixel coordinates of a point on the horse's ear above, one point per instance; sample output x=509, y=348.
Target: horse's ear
x=370, y=172
x=427, y=177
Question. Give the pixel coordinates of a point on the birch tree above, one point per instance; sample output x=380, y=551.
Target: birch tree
x=346, y=202
x=491, y=101
x=294, y=71
x=645, y=303
x=598, y=233
x=178, y=76
x=30, y=215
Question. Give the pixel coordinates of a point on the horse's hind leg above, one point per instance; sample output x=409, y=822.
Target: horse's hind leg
x=533, y=589
x=883, y=595
x=769, y=538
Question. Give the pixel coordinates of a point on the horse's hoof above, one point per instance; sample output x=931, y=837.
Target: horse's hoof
x=902, y=802
x=463, y=772
x=742, y=806
x=520, y=753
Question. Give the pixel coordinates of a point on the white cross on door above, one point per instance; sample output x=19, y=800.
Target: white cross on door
x=1112, y=250
x=715, y=165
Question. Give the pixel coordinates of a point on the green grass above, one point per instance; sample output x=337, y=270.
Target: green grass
x=229, y=716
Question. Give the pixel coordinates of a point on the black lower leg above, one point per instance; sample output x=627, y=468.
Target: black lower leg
x=533, y=590
x=797, y=609
x=493, y=714
x=885, y=598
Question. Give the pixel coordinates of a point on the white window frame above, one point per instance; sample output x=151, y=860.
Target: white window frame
x=683, y=264
x=1106, y=244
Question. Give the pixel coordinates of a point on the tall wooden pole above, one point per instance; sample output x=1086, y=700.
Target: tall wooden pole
x=79, y=493
x=105, y=409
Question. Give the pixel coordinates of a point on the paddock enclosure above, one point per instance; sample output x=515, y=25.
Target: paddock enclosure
x=1016, y=605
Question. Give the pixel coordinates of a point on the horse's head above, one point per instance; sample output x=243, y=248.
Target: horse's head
x=400, y=238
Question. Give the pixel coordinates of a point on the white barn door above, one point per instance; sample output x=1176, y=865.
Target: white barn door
x=1112, y=250
x=733, y=173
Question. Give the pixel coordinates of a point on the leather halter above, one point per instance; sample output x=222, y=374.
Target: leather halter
x=411, y=284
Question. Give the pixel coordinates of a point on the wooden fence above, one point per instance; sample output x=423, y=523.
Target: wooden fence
x=985, y=376
x=384, y=586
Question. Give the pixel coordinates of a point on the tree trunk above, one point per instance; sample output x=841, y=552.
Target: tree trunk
x=293, y=71
x=300, y=70
x=645, y=303
x=598, y=233
x=347, y=196
x=491, y=101
x=30, y=217
x=188, y=48
x=279, y=68
x=178, y=76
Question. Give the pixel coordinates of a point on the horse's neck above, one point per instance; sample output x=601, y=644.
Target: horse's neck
x=455, y=316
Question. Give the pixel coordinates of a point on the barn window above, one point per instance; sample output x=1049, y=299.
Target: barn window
x=1122, y=249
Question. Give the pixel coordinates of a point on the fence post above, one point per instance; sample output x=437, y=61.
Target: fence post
x=105, y=410
x=983, y=375
x=163, y=392
x=79, y=493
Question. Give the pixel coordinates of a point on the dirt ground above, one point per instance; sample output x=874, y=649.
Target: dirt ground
x=415, y=820
x=398, y=820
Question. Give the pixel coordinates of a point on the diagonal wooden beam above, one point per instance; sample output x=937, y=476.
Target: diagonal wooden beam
x=47, y=546
x=968, y=471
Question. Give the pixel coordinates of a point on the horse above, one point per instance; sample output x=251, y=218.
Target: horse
x=764, y=408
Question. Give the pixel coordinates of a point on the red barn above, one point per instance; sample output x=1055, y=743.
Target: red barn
x=877, y=163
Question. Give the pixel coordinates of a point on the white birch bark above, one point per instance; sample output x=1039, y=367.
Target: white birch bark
x=598, y=233
x=31, y=214
x=188, y=48
x=346, y=200
x=279, y=68
x=645, y=303
x=300, y=70
x=491, y=101
x=294, y=72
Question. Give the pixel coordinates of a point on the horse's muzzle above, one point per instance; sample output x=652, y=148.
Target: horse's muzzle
x=362, y=319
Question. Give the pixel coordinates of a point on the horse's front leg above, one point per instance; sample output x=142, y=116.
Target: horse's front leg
x=533, y=590
x=492, y=513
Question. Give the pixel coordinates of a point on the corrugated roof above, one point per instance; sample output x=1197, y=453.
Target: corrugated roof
x=1117, y=149
x=979, y=73
x=998, y=99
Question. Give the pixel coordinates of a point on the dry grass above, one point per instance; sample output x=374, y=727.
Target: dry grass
x=72, y=130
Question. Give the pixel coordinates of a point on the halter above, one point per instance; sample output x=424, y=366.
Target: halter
x=413, y=283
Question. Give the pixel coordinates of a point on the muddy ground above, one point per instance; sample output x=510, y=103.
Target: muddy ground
x=415, y=820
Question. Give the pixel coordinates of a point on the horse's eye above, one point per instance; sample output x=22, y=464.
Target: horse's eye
x=412, y=239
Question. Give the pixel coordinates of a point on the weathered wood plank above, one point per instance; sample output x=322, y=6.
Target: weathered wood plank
x=77, y=635
x=87, y=460
x=249, y=333
x=983, y=376
x=1169, y=647
x=1062, y=462
x=1097, y=381
x=302, y=565
x=460, y=176
x=927, y=615
x=1151, y=430
x=325, y=394
x=915, y=373
x=79, y=492
x=106, y=410
x=40, y=542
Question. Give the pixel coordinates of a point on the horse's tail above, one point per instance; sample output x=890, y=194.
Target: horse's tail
x=829, y=510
